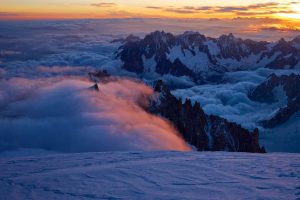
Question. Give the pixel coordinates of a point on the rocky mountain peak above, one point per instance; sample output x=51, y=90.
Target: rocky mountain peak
x=194, y=55
x=132, y=38
x=161, y=87
x=282, y=43
x=95, y=87
x=159, y=37
x=227, y=38
x=191, y=37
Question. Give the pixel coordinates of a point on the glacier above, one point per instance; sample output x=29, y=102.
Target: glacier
x=151, y=175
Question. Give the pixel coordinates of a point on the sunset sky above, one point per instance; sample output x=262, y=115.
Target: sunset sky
x=61, y=9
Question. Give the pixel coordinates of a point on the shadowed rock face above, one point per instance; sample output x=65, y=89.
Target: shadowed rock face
x=192, y=54
x=288, y=55
x=266, y=93
x=283, y=114
x=156, y=44
x=236, y=48
x=205, y=132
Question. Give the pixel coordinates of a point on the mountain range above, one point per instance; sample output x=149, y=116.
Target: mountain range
x=202, y=58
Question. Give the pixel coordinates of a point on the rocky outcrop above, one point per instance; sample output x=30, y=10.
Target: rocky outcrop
x=286, y=55
x=205, y=132
x=288, y=88
x=266, y=91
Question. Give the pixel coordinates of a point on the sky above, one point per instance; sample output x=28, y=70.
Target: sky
x=62, y=9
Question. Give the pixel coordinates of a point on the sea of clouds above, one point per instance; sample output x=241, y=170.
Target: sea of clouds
x=230, y=100
x=63, y=115
x=45, y=103
x=89, y=42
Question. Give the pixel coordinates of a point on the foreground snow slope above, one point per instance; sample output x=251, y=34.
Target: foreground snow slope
x=151, y=175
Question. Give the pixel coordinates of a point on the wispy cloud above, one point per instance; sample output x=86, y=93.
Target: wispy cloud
x=180, y=10
x=270, y=12
x=8, y=14
x=154, y=7
x=104, y=5
x=257, y=10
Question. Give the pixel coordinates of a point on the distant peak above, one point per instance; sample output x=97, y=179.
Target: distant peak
x=297, y=39
x=158, y=33
x=231, y=35
x=132, y=38
x=282, y=40
x=188, y=33
x=159, y=36
x=95, y=87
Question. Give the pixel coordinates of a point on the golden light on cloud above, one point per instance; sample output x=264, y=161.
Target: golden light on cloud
x=278, y=9
x=295, y=12
x=282, y=27
x=296, y=8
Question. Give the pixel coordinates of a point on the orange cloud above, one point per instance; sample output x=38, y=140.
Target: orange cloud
x=289, y=10
x=78, y=119
x=271, y=9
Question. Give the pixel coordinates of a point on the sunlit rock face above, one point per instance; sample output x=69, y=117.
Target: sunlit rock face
x=194, y=55
x=279, y=89
x=205, y=132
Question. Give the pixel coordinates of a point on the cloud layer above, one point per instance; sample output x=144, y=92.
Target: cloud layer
x=230, y=99
x=82, y=43
x=104, y=5
x=63, y=115
x=268, y=9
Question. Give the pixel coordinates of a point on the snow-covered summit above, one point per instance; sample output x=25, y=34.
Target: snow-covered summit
x=192, y=54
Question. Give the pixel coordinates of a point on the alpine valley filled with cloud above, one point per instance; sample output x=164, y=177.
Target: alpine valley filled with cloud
x=151, y=108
